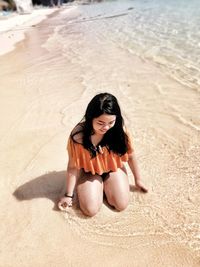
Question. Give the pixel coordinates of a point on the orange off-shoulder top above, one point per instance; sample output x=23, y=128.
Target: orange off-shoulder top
x=103, y=162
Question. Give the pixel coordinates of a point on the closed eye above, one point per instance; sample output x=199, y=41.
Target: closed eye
x=102, y=123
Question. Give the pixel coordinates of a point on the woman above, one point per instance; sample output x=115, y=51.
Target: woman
x=97, y=148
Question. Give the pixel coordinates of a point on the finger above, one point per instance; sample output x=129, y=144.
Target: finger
x=143, y=189
x=64, y=205
x=60, y=207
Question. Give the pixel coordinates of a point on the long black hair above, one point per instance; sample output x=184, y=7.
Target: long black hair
x=115, y=139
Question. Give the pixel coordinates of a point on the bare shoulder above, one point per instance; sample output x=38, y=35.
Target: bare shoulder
x=77, y=133
x=126, y=130
x=129, y=134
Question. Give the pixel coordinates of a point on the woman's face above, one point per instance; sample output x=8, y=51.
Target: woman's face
x=103, y=123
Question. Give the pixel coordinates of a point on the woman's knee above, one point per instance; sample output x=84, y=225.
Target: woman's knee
x=90, y=209
x=119, y=204
x=122, y=205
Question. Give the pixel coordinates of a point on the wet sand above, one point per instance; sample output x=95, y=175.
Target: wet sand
x=40, y=92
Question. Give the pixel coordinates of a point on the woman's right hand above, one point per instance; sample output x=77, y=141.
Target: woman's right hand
x=64, y=203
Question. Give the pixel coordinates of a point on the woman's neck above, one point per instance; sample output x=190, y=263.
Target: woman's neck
x=96, y=139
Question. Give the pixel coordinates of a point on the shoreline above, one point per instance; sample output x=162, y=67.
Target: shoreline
x=14, y=28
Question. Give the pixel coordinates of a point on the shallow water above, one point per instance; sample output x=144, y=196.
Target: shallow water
x=165, y=32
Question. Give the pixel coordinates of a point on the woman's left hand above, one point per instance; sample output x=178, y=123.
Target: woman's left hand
x=140, y=187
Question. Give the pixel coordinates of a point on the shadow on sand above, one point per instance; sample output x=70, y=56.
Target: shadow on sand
x=49, y=186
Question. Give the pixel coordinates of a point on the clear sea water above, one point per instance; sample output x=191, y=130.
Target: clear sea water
x=167, y=32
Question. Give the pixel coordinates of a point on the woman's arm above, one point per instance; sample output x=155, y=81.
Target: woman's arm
x=132, y=162
x=71, y=179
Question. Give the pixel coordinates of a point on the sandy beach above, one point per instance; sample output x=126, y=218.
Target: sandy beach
x=47, y=79
x=14, y=26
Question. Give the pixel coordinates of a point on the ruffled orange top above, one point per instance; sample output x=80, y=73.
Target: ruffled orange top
x=103, y=162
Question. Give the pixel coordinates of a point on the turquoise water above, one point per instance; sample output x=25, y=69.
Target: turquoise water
x=167, y=32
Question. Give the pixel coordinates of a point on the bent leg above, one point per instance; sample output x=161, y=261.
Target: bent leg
x=116, y=188
x=90, y=193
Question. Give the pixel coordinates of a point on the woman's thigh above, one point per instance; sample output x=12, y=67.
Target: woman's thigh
x=116, y=188
x=90, y=193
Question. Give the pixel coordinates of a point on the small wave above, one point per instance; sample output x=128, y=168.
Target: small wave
x=99, y=18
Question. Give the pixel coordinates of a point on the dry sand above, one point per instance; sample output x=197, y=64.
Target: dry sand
x=37, y=114
x=13, y=27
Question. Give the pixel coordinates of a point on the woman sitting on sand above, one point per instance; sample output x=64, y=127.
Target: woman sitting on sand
x=97, y=148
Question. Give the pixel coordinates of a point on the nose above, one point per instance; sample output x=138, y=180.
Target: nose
x=105, y=128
